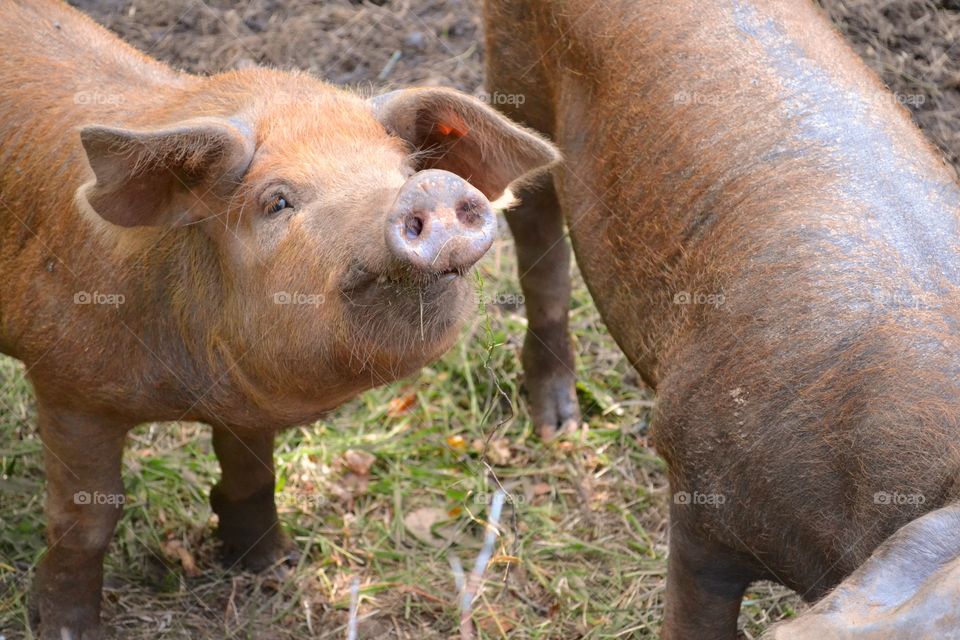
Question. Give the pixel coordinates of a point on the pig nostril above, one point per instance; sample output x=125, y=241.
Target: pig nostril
x=413, y=227
x=469, y=211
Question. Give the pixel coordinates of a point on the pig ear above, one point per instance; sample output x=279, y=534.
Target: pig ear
x=164, y=177
x=460, y=134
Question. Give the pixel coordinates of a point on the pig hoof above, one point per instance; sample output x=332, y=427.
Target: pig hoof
x=548, y=432
x=50, y=628
x=68, y=632
x=554, y=408
x=249, y=531
x=548, y=363
x=259, y=555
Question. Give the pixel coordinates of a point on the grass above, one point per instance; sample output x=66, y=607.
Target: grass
x=583, y=549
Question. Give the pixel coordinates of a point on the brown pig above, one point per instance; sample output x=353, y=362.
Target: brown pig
x=775, y=247
x=248, y=250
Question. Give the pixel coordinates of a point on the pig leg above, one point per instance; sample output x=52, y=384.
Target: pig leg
x=82, y=456
x=543, y=253
x=543, y=261
x=705, y=585
x=243, y=500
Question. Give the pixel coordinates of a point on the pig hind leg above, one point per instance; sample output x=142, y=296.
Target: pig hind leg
x=516, y=82
x=243, y=500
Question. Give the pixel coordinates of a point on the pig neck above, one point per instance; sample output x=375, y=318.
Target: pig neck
x=183, y=284
x=752, y=154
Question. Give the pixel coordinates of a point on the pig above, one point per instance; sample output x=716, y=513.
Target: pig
x=774, y=246
x=248, y=250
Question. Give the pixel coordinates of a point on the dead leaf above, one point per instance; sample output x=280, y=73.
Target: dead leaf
x=349, y=486
x=542, y=488
x=423, y=525
x=176, y=550
x=457, y=443
x=358, y=461
x=497, y=450
x=500, y=453
x=495, y=620
x=399, y=406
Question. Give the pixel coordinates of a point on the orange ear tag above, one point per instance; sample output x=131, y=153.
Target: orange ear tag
x=447, y=130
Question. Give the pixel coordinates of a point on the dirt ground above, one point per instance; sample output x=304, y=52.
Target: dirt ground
x=592, y=572
x=913, y=46
x=388, y=43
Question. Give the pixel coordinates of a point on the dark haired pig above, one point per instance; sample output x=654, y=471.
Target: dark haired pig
x=775, y=247
x=248, y=250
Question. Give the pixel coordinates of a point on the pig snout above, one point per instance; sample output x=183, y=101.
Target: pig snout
x=440, y=223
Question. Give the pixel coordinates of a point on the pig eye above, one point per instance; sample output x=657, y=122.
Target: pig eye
x=277, y=204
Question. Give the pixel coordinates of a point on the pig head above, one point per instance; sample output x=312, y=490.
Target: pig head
x=321, y=241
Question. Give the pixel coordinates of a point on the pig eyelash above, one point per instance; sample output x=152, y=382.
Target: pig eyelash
x=278, y=202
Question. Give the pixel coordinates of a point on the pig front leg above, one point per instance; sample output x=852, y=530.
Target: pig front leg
x=82, y=455
x=244, y=500
x=543, y=261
